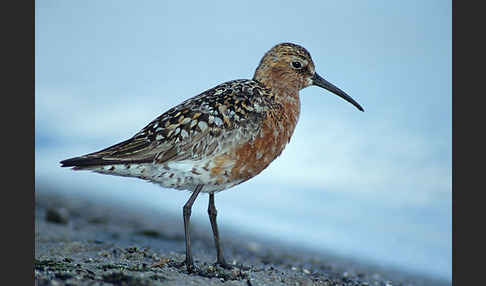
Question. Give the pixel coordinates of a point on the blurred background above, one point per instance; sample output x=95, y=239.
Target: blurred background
x=374, y=186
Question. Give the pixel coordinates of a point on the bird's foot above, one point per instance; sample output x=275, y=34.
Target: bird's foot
x=223, y=264
x=190, y=267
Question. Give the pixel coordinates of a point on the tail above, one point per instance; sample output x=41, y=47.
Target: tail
x=87, y=163
x=121, y=153
x=82, y=163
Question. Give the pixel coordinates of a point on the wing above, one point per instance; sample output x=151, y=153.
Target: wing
x=210, y=122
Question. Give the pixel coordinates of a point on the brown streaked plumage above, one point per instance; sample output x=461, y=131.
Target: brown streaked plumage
x=219, y=138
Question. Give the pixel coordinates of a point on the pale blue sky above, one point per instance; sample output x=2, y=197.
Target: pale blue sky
x=104, y=69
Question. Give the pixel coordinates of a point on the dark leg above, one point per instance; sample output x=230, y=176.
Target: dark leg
x=186, y=211
x=212, y=217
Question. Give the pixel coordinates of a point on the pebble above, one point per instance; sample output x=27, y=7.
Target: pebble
x=57, y=215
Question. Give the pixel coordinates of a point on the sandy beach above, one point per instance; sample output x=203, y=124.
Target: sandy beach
x=87, y=243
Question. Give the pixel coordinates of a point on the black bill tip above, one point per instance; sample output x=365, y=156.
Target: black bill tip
x=319, y=81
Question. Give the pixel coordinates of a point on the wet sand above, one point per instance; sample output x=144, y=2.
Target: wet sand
x=88, y=243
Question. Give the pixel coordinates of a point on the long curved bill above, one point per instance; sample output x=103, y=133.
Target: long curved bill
x=319, y=81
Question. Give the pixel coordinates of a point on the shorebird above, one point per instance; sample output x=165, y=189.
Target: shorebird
x=219, y=138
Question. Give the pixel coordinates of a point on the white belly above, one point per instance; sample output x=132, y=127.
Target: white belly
x=180, y=175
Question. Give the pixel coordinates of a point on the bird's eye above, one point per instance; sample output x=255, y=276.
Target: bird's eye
x=296, y=65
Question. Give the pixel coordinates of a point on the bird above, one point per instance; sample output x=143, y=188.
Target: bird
x=219, y=138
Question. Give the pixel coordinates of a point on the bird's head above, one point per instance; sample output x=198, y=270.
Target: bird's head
x=289, y=65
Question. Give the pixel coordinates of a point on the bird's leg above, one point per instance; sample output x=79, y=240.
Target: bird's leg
x=212, y=217
x=186, y=211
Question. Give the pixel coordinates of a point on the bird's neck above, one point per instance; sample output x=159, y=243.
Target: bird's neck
x=284, y=88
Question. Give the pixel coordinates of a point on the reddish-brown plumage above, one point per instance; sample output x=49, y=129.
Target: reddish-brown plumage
x=254, y=156
x=219, y=138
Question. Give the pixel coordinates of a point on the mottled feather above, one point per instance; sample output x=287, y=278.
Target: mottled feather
x=190, y=129
x=221, y=137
